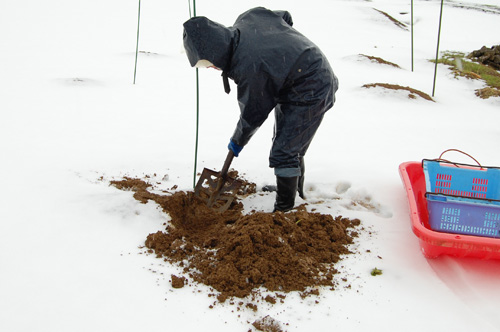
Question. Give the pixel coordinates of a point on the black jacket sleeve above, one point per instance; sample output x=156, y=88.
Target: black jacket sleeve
x=256, y=98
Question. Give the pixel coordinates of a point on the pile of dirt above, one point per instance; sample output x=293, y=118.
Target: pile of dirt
x=411, y=94
x=488, y=56
x=236, y=254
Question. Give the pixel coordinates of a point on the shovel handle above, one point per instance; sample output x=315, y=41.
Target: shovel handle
x=227, y=163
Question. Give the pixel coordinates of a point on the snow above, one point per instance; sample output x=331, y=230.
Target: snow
x=72, y=120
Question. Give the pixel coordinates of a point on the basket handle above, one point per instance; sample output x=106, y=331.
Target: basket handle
x=456, y=150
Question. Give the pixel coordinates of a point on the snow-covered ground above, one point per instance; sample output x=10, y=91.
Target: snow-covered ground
x=71, y=120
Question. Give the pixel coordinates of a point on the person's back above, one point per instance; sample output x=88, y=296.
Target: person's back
x=274, y=63
x=267, y=44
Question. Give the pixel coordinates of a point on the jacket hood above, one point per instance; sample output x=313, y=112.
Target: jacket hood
x=207, y=40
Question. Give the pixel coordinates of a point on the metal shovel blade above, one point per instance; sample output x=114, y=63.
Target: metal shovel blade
x=216, y=191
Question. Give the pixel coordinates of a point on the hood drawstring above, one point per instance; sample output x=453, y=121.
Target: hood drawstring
x=225, y=81
x=234, y=43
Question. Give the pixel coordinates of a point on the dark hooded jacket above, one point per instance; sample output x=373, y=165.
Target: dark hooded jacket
x=269, y=61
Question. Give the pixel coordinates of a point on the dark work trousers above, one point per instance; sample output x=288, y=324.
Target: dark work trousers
x=295, y=127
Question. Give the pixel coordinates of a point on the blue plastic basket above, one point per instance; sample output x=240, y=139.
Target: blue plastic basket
x=460, y=215
x=463, y=199
x=461, y=179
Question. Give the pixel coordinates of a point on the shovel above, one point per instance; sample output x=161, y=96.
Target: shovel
x=218, y=189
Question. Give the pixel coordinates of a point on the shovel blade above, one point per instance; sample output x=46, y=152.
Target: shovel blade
x=216, y=192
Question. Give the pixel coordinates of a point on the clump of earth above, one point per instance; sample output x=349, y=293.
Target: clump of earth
x=489, y=56
x=236, y=253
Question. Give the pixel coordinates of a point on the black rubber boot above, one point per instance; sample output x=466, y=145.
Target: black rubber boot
x=301, y=178
x=269, y=188
x=285, y=195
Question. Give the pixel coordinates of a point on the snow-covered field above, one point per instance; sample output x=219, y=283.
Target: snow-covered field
x=71, y=120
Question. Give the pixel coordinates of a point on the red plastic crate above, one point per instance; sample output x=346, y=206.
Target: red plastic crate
x=432, y=243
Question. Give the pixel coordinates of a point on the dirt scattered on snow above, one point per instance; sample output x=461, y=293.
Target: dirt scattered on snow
x=178, y=282
x=392, y=19
x=267, y=324
x=486, y=93
x=236, y=254
x=412, y=92
x=380, y=60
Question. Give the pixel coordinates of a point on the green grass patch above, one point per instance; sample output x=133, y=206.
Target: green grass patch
x=461, y=65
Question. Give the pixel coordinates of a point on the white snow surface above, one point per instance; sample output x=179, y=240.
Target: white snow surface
x=72, y=120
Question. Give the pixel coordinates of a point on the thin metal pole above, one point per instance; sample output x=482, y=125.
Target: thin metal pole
x=437, y=48
x=197, y=127
x=137, y=43
x=411, y=35
x=197, y=110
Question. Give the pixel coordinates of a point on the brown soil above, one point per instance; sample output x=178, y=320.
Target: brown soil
x=236, y=254
x=412, y=92
x=486, y=93
x=178, y=282
x=393, y=20
x=267, y=324
x=380, y=60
